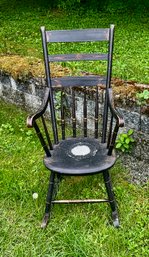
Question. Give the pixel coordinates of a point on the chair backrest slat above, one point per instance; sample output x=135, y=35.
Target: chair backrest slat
x=62, y=115
x=78, y=81
x=77, y=57
x=80, y=35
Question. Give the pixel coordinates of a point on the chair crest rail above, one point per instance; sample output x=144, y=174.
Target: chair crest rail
x=78, y=35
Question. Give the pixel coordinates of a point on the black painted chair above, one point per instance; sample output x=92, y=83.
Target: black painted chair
x=78, y=155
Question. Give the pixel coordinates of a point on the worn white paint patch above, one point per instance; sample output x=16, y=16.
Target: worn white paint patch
x=80, y=150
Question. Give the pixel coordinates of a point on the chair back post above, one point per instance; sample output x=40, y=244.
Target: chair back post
x=108, y=82
x=48, y=79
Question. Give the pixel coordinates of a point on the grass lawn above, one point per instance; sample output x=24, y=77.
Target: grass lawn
x=21, y=20
x=75, y=231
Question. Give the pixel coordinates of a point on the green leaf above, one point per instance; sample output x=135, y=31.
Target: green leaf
x=124, y=135
x=132, y=140
x=130, y=132
x=146, y=94
x=126, y=146
x=122, y=140
x=127, y=141
x=118, y=145
x=146, y=97
x=123, y=149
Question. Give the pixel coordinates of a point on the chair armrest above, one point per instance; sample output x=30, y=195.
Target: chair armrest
x=115, y=112
x=32, y=118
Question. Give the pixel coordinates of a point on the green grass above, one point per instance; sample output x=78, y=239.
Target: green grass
x=75, y=231
x=21, y=20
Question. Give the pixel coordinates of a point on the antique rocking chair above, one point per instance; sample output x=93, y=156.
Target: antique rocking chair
x=78, y=155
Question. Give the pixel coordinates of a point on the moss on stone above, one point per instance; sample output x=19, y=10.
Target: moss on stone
x=23, y=68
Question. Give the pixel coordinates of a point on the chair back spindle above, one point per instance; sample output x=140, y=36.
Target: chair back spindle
x=96, y=113
x=73, y=113
x=85, y=113
x=62, y=115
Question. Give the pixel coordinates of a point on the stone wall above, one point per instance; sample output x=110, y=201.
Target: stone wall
x=29, y=95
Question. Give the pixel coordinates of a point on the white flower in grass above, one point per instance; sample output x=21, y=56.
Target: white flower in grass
x=35, y=195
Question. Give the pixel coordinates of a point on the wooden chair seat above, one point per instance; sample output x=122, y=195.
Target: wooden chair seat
x=79, y=156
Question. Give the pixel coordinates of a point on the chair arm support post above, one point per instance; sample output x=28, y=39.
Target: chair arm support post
x=112, y=143
x=43, y=143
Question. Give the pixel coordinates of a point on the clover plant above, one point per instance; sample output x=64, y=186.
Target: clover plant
x=125, y=141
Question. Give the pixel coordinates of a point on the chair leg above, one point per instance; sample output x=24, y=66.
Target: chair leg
x=56, y=185
x=48, y=200
x=111, y=197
